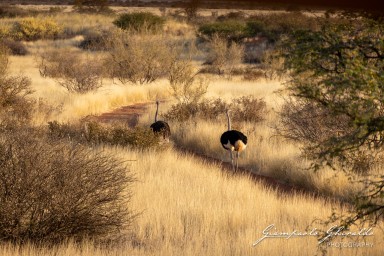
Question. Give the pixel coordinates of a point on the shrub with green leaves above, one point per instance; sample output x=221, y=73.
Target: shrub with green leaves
x=32, y=28
x=229, y=29
x=336, y=77
x=140, y=22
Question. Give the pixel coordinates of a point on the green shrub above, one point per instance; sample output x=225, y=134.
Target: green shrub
x=89, y=6
x=31, y=29
x=229, y=29
x=140, y=22
x=53, y=191
x=273, y=26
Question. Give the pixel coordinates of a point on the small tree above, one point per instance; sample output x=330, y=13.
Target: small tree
x=185, y=87
x=337, y=81
x=140, y=58
x=70, y=70
x=224, y=56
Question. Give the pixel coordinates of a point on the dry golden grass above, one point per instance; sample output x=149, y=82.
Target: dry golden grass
x=189, y=207
x=266, y=154
x=192, y=208
x=74, y=106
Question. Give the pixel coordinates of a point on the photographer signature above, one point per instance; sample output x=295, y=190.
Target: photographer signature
x=334, y=231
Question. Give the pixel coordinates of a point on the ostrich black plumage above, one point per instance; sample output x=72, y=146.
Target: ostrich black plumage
x=233, y=140
x=160, y=127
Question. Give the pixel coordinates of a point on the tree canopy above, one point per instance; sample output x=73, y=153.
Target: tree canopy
x=337, y=101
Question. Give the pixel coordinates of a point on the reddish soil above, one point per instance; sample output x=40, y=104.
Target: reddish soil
x=129, y=114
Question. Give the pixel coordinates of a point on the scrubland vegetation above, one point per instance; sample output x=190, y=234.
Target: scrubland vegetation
x=73, y=185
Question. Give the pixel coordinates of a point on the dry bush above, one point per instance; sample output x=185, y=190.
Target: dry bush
x=72, y=71
x=185, y=86
x=9, y=11
x=139, y=58
x=95, y=40
x=15, y=47
x=307, y=122
x=15, y=107
x=205, y=109
x=249, y=73
x=224, y=56
x=53, y=191
x=92, y=132
x=247, y=109
x=232, y=30
x=272, y=64
x=312, y=124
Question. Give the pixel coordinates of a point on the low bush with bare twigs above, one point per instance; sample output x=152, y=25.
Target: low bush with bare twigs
x=15, y=106
x=95, y=133
x=247, y=109
x=139, y=58
x=72, y=71
x=53, y=191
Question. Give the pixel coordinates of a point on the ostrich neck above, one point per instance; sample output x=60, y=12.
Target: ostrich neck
x=229, y=121
x=157, y=110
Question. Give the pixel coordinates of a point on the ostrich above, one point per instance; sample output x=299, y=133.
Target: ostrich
x=161, y=127
x=233, y=140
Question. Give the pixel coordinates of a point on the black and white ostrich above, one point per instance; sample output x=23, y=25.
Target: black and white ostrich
x=233, y=140
x=160, y=127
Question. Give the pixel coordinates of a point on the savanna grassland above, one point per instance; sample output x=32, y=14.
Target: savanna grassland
x=81, y=65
